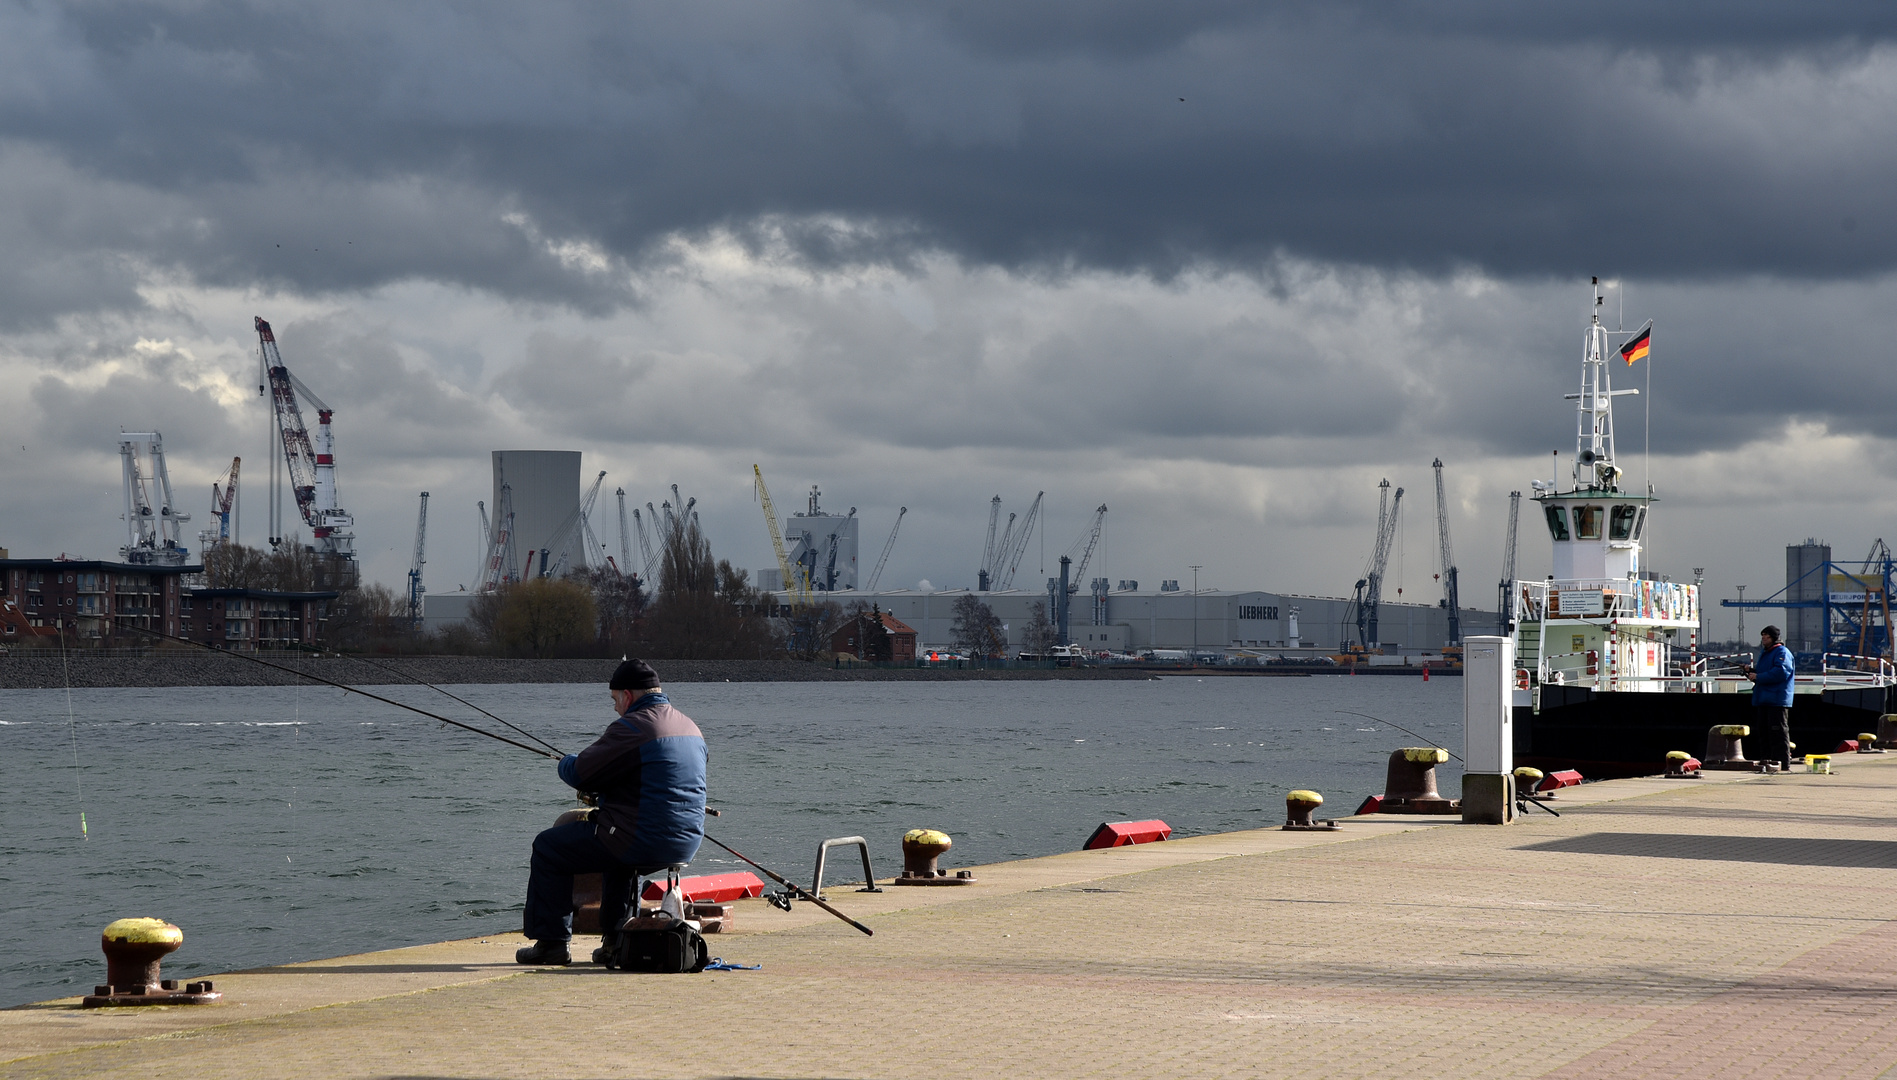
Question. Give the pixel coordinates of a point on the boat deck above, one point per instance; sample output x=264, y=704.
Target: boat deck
x=1737, y=925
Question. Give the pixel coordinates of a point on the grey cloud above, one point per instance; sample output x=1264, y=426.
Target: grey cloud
x=1669, y=144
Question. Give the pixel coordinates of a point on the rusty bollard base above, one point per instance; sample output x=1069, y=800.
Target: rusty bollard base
x=167, y=992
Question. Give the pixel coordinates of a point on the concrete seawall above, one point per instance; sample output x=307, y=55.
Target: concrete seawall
x=1732, y=926
x=22, y=672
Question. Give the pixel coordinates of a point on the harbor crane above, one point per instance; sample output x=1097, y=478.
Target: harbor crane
x=797, y=586
x=877, y=574
x=151, y=529
x=1090, y=541
x=645, y=543
x=311, y=465
x=1369, y=588
x=1505, y=594
x=575, y=530
x=988, y=549
x=223, y=498
x=1446, y=568
x=415, y=587
x=501, y=565
x=1021, y=542
x=625, y=538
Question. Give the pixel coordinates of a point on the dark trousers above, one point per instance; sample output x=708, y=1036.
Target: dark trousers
x=560, y=853
x=1774, y=725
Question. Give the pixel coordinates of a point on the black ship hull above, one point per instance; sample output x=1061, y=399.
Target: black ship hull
x=1605, y=735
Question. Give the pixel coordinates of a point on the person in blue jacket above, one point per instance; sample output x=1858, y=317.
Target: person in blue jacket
x=648, y=774
x=1772, y=692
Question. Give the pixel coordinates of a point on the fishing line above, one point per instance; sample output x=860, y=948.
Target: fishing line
x=1402, y=729
x=72, y=732
x=464, y=701
x=352, y=689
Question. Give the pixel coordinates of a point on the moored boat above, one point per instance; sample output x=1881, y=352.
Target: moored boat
x=1608, y=676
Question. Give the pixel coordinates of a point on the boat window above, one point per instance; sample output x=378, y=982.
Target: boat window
x=1587, y=522
x=1621, y=525
x=1558, y=522
x=1640, y=522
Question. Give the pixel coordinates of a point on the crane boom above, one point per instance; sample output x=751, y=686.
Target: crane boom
x=415, y=587
x=500, y=563
x=877, y=574
x=1506, y=592
x=1369, y=596
x=311, y=464
x=1021, y=542
x=645, y=543
x=1446, y=567
x=988, y=549
x=1092, y=541
x=625, y=538
x=797, y=586
x=574, y=529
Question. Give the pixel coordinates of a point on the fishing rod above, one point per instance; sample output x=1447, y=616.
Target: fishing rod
x=1402, y=729
x=796, y=891
x=351, y=689
x=456, y=697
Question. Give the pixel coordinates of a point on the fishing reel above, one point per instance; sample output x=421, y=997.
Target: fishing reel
x=780, y=899
x=589, y=798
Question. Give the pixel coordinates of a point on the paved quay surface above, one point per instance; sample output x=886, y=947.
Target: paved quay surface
x=1730, y=927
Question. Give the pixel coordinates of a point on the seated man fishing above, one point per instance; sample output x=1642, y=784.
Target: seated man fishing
x=648, y=773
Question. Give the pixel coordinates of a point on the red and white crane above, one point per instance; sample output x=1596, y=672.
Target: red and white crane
x=312, y=466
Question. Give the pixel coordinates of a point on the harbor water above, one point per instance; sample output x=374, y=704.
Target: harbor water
x=287, y=823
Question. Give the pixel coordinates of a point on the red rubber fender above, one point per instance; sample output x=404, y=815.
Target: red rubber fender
x=709, y=888
x=1848, y=746
x=1372, y=804
x=1122, y=833
x=1560, y=779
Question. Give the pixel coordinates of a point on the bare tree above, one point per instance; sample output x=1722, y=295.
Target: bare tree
x=976, y=631
x=1039, y=636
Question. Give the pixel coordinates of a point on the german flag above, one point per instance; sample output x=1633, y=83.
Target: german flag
x=1637, y=348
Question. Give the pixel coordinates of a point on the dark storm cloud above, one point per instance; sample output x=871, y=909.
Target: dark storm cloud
x=381, y=143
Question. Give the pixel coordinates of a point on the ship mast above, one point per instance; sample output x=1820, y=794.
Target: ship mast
x=1594, y=468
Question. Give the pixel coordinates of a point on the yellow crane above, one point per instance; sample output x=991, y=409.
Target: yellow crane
x=795, y=584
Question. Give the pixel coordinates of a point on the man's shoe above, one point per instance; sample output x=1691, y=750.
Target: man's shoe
x=607, y=943
x=549, y=952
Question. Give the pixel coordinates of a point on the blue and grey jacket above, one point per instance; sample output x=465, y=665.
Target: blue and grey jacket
x=1772, y=677
x=649, y=771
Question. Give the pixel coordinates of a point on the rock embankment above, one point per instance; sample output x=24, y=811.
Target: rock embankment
x=37, y=672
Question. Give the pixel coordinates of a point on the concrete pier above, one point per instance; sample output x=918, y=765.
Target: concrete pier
x=1732, y=926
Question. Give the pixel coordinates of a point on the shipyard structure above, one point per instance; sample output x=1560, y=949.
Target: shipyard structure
x=1135, y=620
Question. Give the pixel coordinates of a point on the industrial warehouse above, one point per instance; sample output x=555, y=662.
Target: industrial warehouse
x=1135, y=620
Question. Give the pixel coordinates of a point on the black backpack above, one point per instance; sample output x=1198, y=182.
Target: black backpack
x=659, y=943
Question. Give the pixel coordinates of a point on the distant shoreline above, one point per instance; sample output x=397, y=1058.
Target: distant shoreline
x=19, y=672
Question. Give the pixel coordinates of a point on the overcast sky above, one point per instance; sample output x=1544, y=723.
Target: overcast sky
x=1220, y=266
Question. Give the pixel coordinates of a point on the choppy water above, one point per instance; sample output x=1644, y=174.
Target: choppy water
x=277, y=824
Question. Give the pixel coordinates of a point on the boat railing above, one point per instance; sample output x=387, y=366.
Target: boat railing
x=1571, y=669
x=1619, y=598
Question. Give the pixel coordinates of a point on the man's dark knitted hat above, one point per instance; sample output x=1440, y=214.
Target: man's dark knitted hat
x=634, y=675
